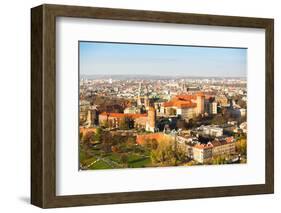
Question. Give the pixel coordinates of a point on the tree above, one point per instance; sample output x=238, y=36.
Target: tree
x=219, y=160
x=154, y=143
x=190, y=124
x=85, y=151
x=80, y=136
x=98, y=134
x=241, y=146
x=151, y=143
x=131, y=140
x=124, y=159
x=106, y=142
x=222, y=118
x=193, y=122
x=105, y=124
x=114, y=149
x=166, y=155
x=181, y=124
x=88, y=137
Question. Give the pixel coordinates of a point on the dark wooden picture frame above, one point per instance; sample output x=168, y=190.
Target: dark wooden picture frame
x=43, y=105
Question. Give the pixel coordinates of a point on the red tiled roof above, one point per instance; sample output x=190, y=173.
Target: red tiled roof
x=183, y=100
x=180, y=104
x=142, y=138
x=204, y=146
x=229, y=139
x=217, y=143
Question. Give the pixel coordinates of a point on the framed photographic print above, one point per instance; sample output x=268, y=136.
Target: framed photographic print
x=137, y=106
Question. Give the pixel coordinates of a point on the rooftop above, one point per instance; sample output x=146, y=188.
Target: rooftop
x=179, y=104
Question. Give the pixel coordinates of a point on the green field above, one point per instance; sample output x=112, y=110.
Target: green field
x=111, y=160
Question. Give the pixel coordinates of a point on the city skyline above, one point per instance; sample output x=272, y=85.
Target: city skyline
x=144, y=106
x=104, y=58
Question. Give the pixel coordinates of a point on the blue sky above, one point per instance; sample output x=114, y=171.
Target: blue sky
x=129, y=59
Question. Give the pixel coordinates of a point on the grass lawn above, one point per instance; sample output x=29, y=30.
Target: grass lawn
x=114, y=157
x=100, y=165
x=86, y=162
x=140, y=162
x=135, y=158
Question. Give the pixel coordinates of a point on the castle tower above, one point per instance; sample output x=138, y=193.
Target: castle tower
x=92, y=117
x=151, y=120
x=200, y=98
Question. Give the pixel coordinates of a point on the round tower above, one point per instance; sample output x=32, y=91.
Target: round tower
x=151, y=119
x=200, y=98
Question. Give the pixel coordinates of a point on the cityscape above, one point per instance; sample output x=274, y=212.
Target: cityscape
x=173, y=113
